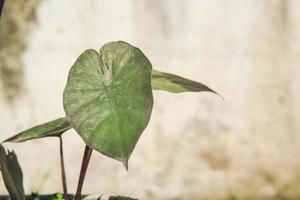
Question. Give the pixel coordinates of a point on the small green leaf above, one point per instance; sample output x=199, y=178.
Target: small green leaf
x=108, y=98
x=12, y=174
x=58, y=196
x=176, y=84
x=52, y=128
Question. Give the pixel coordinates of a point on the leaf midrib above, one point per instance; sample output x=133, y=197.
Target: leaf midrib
x=108, y=84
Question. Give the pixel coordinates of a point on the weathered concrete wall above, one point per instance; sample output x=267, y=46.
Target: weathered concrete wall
x=196, y=145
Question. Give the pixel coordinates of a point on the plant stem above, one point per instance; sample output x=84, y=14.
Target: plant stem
x=62, y=165
x=85, y=162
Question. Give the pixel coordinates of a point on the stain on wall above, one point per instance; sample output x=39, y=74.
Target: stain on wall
x=16, y=21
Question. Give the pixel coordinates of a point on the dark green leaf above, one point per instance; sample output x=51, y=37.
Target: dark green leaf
x=176, y=84
x=12, y=174
x=52, y=128
x=108, y=98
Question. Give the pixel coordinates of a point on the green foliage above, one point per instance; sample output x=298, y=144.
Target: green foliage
x=12, y=174
x=108, y=98
x=52, y=128
x=176, y=84
x=58, y=196
x=159, y=81
x=108, y=101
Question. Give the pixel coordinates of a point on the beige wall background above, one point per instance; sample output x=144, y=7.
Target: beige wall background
x=196, y=144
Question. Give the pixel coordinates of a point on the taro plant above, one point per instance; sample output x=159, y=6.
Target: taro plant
x=108, y=101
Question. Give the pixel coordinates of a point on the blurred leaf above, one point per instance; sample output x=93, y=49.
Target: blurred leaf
x=106, y=197
x=12, y=174
x=176, y=84
x=92, y=197
x=58, y=196
x=118, y=198
x=108, y=98
x=52, y=128
x=1, y=6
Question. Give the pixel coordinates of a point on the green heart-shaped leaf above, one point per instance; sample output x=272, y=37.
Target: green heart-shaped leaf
x=52, y=128
x=108, y=98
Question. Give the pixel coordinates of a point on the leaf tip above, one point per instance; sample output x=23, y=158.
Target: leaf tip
x=5, y=141
x=125, y=163
x=216, y=93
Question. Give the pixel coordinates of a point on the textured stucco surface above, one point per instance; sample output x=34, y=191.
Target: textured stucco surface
x=196, y=145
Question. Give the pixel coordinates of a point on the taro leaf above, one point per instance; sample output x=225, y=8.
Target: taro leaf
x=176, y=84
x=108, y=98
x=52, y=128
x=12, y=174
